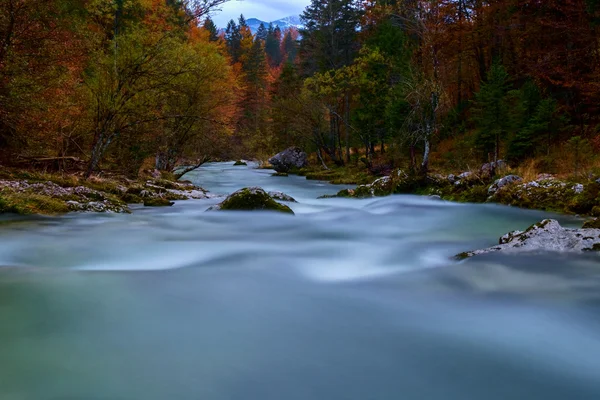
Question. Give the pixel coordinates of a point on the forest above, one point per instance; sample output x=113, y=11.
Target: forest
x=426, y=85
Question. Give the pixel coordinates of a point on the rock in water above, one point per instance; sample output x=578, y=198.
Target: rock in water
x=292, y=158
x=282, y=196
x=158, y=202
x=252, y=198
x=547, y=235
x=239, y=163
x=592, y=224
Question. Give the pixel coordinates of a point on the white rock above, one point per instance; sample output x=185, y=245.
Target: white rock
x=545, y=236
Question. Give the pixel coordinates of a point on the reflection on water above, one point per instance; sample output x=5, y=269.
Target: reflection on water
x=349, y=299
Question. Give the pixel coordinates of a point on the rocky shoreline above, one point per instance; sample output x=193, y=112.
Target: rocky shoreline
x=546, y=192
x=29, y=193
x=493, y=184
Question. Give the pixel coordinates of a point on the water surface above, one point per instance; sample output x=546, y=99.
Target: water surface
x=349, y=299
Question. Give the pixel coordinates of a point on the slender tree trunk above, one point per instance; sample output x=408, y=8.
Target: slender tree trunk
x=346, y=126
x=425, y=163
x=320, y=156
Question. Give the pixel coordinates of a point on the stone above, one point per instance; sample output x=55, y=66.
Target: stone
x=500, y=183
x=251, y=198
x=491, y=168
x=289, y=159
x=547, y=235
x=463, y=177
x=239, y=163
x=592, y=224
x=578, y=188
x=157, y=202
x=451, y=178
x=281, y=196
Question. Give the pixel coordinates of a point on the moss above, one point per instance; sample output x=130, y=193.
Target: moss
x=239, y=163
x=247, y=199
x=592, y=224
x=174, y=196
x=130, y=198
x=134, y=190
x=362, y=191
x=103, y=185
x=30, y=203
x=343, y=193
x=280, y=174
x=157, y=202
x=595, y=247
x=462, y=256
x=166, y=184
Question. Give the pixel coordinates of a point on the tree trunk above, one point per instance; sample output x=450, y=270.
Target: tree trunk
x=346, y=126
x=425, y=163
x=320, y=156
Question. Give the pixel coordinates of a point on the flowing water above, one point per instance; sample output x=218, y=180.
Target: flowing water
x=348, y=299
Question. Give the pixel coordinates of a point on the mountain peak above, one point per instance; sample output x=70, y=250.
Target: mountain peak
x=292, y=21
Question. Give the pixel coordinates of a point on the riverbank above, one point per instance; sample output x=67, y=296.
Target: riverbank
x=487, y=185
x=30, y=192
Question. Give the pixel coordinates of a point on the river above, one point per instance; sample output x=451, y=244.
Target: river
x=348, y=299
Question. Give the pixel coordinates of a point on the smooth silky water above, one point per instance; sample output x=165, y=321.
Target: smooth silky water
x=348, y=299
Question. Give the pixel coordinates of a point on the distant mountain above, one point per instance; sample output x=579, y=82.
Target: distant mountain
x=283, y=23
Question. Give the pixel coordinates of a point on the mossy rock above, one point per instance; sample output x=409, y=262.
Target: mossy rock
x=31, y=203
x=343, y=193
x=131, y=198
x=592, y=224
x=166, y=184
x=239, y=163
x=157, y=202
x=253, y=198
x=280, y=174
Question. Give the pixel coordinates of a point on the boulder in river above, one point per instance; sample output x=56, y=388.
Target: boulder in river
x=239, y=163
x=282, y=196
x=547, y=235
x=157, y=202
x=252, y=198
x=289, y=159
x=592, y=224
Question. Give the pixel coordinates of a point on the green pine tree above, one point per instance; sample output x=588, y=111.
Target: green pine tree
x=491, y=113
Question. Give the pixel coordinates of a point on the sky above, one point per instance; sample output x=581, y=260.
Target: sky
x=265, y=10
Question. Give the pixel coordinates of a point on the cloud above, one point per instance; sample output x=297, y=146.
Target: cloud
x=266, y=10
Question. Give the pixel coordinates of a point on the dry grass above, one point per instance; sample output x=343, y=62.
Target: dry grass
x=528, y=170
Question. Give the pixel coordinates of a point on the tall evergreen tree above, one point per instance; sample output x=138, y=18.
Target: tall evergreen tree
x=261, y=33
x=242, y=22
x=233, y=39
x=273, y=45
x=213, y=32
x=290, y=47
x=329, y=37
x=491, y=112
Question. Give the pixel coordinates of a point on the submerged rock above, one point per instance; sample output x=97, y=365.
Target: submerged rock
x=289, y=159
x=547, y=235
x=252, y=198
